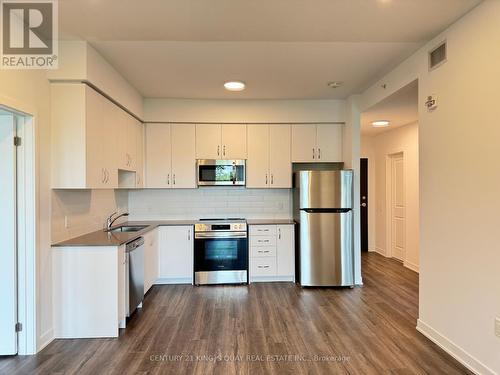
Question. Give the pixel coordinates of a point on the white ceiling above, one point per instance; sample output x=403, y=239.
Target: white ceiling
x=401, y=108
x=280, y=48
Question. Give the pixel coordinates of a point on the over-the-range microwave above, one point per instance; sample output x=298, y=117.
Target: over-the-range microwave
x=216, y=172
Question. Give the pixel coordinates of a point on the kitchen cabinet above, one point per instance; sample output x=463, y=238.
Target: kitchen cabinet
x=138, y=158
x=272, y=253
x=176, y=255
x=317, y=143
x=90, y=291
x=151, y=259
x=215, y=141
x=170, y=156
x=269, y=162
x=83, y=138
x=183, y=156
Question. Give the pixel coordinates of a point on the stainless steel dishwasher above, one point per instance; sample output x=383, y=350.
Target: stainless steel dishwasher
x=135, y=267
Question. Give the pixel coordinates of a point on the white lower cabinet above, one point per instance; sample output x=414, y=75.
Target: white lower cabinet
x=272, y=253
x=151, y=258
x=175, y=255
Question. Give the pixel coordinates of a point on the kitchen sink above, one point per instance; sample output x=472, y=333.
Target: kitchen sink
x=126, y=228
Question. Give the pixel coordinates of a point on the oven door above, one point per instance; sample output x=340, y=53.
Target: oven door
x=213, y=252
x=221, y=172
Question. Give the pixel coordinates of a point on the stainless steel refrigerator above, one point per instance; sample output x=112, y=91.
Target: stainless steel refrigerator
x=323, y=211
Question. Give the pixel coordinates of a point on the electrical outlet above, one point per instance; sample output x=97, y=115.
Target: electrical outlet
x=66, y=222
x=497, y=327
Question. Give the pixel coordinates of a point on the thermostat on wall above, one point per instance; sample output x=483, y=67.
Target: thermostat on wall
x=431, y=102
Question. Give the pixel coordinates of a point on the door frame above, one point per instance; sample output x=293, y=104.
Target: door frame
x=27, y=219
x=388, y=201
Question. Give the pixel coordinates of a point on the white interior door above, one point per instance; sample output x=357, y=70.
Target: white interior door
x=398, y=207
x=8, y=250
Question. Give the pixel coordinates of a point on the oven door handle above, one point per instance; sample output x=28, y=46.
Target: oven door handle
x=210, y=235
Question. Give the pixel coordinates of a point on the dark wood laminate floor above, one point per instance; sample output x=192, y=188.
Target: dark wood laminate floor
x=283, y=328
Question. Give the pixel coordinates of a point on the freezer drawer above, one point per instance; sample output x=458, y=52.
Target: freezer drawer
x=326, y=254
x=324, y=189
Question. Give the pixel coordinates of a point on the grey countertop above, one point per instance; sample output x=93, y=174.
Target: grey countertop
x=270, y=221
x=102, y=238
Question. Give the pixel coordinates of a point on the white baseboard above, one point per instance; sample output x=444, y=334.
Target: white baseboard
x=270, y=279
x=411, y=266
x=178, y=280
x=45, y=339
x=381, y=252
x=469, y=361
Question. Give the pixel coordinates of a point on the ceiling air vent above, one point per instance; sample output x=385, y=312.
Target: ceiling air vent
x=437, y=56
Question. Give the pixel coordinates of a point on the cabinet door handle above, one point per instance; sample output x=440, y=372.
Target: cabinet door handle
x=189, y=234
x=262, y=241
x=319, y=153
x=173, y=178
x=218, y=150
x=279, y=233
x=263, y=251
x=272, y=179
x=107, y=175
x=224, y=150
x=266, y=179
x=168, y=179
x=262, y=266
x=262, y=230
x=314, y=153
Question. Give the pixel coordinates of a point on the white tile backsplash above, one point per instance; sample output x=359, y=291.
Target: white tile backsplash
x=206, y=202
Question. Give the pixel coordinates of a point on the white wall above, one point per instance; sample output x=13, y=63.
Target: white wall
x=377, y=149
x=210, y=202
x=75, y=212
x=459, y=180
x=29, y=91
x=198, y=110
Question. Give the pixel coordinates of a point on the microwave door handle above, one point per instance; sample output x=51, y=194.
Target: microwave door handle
x=234, y=174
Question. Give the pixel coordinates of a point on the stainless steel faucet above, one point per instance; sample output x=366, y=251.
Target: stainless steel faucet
x=110, y=220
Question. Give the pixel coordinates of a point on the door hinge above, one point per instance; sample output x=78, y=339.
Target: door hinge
x=19, y=327
x=17, y=141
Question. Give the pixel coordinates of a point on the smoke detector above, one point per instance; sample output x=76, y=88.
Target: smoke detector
x=335, y=84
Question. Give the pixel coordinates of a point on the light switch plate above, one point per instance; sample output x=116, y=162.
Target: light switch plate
x=497, y=327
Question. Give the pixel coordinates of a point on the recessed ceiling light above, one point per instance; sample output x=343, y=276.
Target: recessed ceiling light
x=335, y=84
x=234, y=85
x=380, y=123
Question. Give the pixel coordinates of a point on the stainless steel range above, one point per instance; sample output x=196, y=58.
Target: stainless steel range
x=221, y=251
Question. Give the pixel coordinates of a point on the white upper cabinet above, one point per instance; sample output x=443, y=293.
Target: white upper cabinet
x=280, y=163
x=329, y=143
x=208, y=139
x=317, y=143
x=227, y=141
x=234, y=141
x=158, y=156
x=139, y=154
x=84, y=139
x=183, y=156
x=257, y=168
x=269, y=164
x=170, y=156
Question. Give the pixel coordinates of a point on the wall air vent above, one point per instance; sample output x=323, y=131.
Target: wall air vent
x=437, y=56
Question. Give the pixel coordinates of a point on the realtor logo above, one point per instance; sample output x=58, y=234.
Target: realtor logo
x=29, y=34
